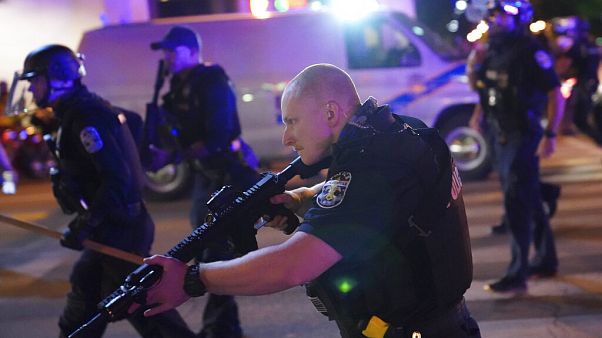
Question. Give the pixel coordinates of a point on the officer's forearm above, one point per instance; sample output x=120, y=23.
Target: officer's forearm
x=555, y=109
x=257, y=273
x=300, y=259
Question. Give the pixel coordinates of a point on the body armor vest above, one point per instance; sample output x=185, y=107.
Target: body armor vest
x=426, y=268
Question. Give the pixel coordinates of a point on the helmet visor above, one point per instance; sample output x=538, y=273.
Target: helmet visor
x=20, y=99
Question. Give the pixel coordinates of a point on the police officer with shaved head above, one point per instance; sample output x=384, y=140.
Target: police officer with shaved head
x=516, y=82
x=383, y=248
x=99, y=180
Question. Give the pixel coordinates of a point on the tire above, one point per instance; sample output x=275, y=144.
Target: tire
x=469, y=148
x=169, y=183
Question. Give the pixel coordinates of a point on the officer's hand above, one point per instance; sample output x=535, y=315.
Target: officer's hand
x=77, y=231
x=169, y=292
x=291, y=200
x=547, y=147
x=159, y=158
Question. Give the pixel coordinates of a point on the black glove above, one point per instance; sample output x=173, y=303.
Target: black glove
x=78, y=230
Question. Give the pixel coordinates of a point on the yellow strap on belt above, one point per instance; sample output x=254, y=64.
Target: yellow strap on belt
x=376, y=328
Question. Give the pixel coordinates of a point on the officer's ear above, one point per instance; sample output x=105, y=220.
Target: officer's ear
x=333, y=113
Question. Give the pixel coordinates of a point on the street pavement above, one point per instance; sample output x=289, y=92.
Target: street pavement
x=34, y=270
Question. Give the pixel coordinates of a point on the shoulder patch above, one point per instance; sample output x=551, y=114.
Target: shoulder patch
x=543, y=59
x=91, y=139
x=334, y=190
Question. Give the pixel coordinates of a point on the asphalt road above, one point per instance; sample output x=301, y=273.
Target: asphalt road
x=34, y=270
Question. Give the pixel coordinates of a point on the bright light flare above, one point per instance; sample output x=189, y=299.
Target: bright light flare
x=350, y=10
x=461, y=5
x=259, y=8
x=537, y=26
x=510, y=10
x=478, y=32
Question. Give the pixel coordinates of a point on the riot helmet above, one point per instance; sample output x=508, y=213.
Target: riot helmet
x=52, y=71
x=520, y=10
x=56, y=62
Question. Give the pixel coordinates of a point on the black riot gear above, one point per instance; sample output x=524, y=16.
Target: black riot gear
x=408, y=266
x=54, y=61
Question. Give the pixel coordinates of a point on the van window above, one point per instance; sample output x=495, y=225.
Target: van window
x=376, y=43
x=435, y=42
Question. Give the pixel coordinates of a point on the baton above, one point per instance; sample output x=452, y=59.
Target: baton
x=88, y=244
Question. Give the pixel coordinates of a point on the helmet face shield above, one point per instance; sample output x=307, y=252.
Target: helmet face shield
x=20, y=99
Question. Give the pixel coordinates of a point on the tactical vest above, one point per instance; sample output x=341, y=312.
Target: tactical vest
x=190, y=99
x=503, y=95
x=428, y=266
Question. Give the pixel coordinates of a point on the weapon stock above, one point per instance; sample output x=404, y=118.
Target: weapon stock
x=225, y=214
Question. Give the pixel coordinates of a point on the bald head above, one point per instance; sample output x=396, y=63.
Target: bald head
x=316, y=106
x=322, y=83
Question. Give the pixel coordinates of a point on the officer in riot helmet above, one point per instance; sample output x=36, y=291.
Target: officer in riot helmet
x=383, y=248
x=98, y=179
x=517, y=84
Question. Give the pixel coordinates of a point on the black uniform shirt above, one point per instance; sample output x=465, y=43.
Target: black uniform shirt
x=100, y=163
x=368, y=192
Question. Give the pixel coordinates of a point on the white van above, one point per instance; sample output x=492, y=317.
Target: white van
x=389, y=56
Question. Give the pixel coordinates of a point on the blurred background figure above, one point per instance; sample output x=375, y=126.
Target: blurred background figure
x=8, y=178
x=577, y=61
x=516, y=82
x=201, y=106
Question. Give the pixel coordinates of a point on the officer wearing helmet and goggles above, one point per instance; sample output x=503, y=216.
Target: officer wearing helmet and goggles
x=517, y=84
x=99, y=179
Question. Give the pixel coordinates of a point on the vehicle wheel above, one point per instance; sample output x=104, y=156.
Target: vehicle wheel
x=169, y=183
x=470, y=149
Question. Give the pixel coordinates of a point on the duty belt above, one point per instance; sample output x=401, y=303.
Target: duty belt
x=377, y=328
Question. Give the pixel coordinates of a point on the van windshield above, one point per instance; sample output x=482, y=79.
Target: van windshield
x=435, y=42
x=388, y=41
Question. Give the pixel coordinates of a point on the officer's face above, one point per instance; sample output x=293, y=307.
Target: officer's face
x=180, y=58
x=500, y=22
x=307, y=129
x=38, y=86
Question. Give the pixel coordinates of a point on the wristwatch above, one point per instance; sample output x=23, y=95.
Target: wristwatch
x=549, y=134
x=193, y=286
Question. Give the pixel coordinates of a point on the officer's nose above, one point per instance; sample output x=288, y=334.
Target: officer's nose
x=287, y=139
